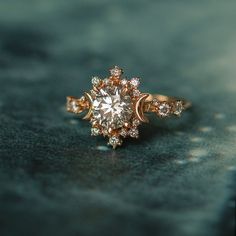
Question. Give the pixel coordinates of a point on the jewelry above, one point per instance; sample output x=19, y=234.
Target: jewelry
x=116, y=107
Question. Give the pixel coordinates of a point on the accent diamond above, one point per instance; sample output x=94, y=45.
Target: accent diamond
x=178, y=108
x=96, y=81
x=124, y=82
x=106, y=81
x=95, y=131
x=134, y=133
x=116, y=71
x=73, y=106
x=136, y=122
x=136, y=93
x=135, y=82
x=114, y=141
x=123, y=132
x=164, y=109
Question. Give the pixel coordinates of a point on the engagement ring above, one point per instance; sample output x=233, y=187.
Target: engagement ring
x=116, y=107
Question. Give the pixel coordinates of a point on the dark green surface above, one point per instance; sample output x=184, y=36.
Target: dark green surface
x=177, y=179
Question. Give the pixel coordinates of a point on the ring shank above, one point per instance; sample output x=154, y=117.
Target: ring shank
x=168, y=99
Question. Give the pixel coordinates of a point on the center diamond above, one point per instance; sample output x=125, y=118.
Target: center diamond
x=111, y=108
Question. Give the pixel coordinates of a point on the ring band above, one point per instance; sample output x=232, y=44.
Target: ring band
x=151, y=104
x=115, y=107
x=177, y=105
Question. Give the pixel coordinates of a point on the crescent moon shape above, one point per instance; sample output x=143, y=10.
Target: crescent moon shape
x=139, y=108
x=90, y=99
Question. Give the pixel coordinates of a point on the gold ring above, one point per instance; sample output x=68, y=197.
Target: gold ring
x=116, y=107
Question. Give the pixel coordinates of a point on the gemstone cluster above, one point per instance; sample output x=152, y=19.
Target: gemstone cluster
x=113, y=101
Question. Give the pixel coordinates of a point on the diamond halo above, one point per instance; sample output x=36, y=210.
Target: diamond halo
x=112, y=113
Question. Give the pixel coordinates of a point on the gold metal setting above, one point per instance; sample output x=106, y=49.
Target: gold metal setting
x=115, y=106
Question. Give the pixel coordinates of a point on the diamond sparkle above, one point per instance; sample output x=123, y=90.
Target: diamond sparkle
x=164, y=109
x=111, y=108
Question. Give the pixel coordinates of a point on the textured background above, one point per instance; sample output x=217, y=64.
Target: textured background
x=177, y=179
